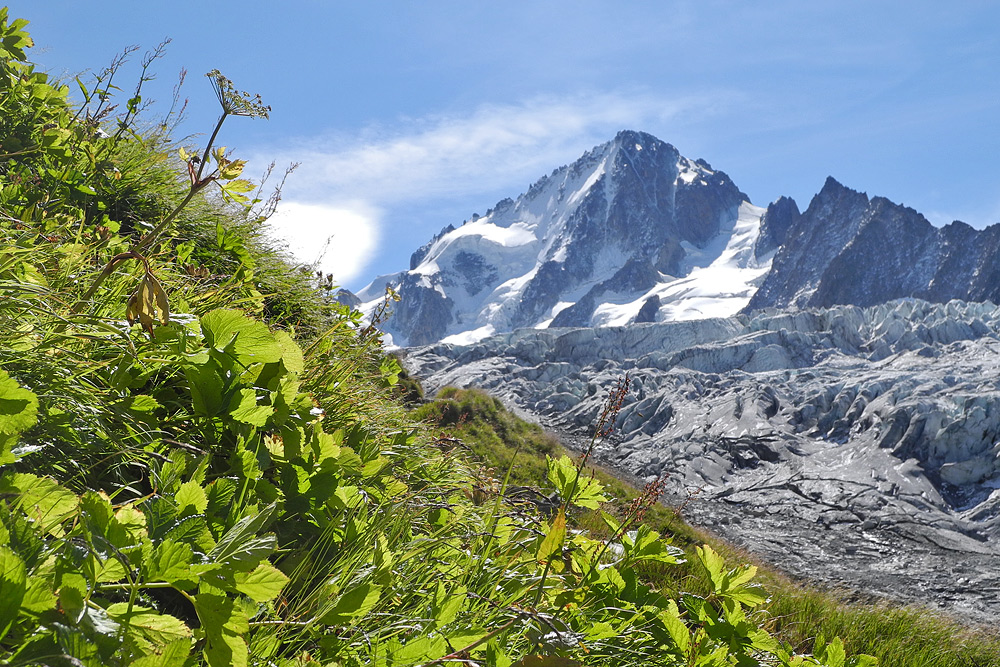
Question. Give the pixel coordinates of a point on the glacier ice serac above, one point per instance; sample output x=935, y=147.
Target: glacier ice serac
x=826, y=382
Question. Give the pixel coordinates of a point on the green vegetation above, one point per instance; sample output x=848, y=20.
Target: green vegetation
x=897, y=636
x=203, y=460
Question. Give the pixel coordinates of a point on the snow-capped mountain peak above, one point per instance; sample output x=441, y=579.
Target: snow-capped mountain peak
x=632, y=231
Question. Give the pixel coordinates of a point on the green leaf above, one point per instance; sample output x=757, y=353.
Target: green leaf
x=156, y=628
x=191, y=499
x=833, y=654
x=141, y=403
x=13, y=583
x=207, y=388
x=241, y=546
x=291, y=353
x=263, y=584
x=552, y=545
x=247, y=411
x=40, y=498
x=420, y=649
x=676, y=628
x=352, y=605
x=600, y=630
x=224, y=626
x=171, y=562
x=713, y=564
x=446, y=607
x=750, y=595
x=250, y=341
x=173, y=654
x=647, y=545
x=563, y=474
x=18, y=406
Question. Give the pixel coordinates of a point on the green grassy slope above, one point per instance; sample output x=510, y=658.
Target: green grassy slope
x=897, y=635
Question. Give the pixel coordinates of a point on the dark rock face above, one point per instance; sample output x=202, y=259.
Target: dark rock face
x=846, y=249
x=817, y=236
x=427, y=312
x=421, y=252
x=648, y=311
x=779, y=218
x=347, y=297
x=476, y=273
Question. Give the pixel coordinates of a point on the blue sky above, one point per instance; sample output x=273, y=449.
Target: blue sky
x=408, y=116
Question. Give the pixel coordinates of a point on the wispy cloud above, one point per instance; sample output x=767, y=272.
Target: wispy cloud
x=343, y=182
x=487, y=148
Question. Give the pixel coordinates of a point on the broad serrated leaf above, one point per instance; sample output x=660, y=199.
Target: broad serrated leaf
x=750, y=595
x=171, y=562
x=262, y=584
x=156, y=628
x=713, y=564
x=248, y=340
x=833, y=654
x=224, y=626
x=191, y=499
x=13, y=584
x=244, y=409
x=447, y=606
x=242, y=544
x=40, y=498
x=291, y=353
x=420, y=649
x=564, y=474
x=173, y=654
x=18, y=406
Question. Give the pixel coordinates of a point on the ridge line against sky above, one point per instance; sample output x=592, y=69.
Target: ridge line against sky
x=408, y=117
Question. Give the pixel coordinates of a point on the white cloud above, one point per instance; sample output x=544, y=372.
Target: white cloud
x=491, y=147
x=340, y=239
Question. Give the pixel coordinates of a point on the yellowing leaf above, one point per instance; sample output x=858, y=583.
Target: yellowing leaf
x=148, y=304
x=551, y=546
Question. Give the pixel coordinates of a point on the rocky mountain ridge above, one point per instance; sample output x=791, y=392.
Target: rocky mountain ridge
x=635, y=232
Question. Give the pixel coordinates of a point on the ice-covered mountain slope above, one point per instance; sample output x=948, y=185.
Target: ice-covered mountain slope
x=860, y=445
x=630, y=232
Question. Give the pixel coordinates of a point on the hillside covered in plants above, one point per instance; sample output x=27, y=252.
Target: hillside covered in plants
x=204, y=460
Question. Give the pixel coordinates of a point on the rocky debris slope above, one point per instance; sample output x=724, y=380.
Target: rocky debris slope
x=856, y=445
x=625, y=232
